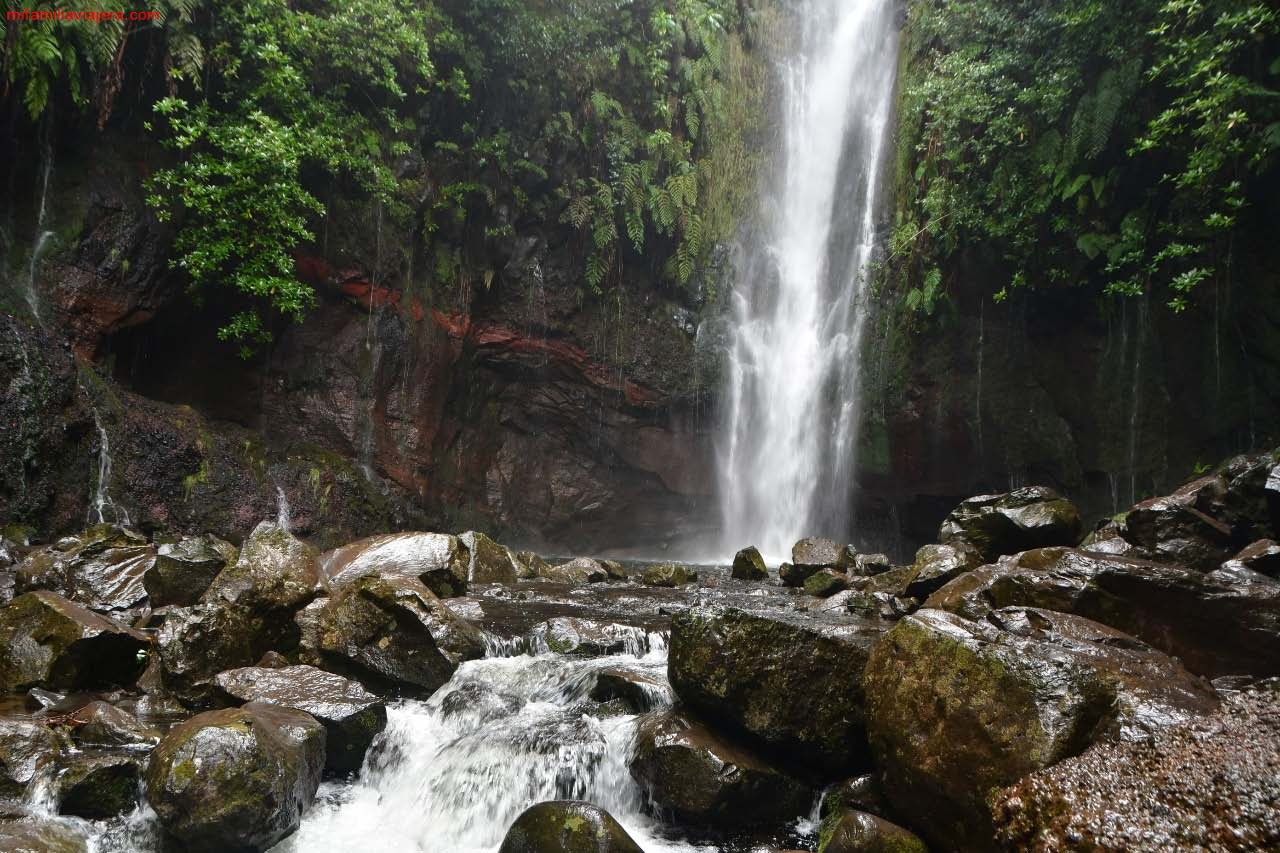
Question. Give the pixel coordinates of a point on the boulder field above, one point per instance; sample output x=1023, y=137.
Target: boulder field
x=1023, y=684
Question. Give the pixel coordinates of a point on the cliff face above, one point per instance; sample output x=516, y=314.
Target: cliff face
x=513, y=403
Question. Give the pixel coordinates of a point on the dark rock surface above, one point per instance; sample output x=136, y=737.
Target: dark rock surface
x=184, y=570
x=488, y=562
x=668, y=575
x=48, y=641
x=793, y=687
x=1218, y=624
x=1207, y=784
x=567, y=827
x=820, y=553
x=638, y=692
x=27, y=749
x=702, y=780
x=937, y=565
x=958, y=708
x=825, y=583
x=577, y=571
x=748, y=565
x=352, y=716
x=99, y=787
x=236, y=779
x=102, y=568
x=100, y=724
x=858, y=832
x=1032, y=517
x=438, y=560
x=388, y=631
x=568, y=635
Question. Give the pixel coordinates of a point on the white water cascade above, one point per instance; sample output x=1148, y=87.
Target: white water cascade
x=786, y=458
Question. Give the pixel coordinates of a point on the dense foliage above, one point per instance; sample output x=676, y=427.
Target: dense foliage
x=1084, y=141
x=625, y=125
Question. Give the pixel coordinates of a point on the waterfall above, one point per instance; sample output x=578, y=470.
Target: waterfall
x=787, y=452
x=41, y=242
x=102, y=509
x=284, y=516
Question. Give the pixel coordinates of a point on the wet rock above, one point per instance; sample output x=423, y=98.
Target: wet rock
x=567, y=827
x=668, y=575
x=615, y=570
x=27, y=749
x=38, y=835
x=100, y=724
x=878, y=605
x=47, y=640
x=1262, y=556
x=236, y=779
x=791, y=685
x=184, y=570
x=853, y=831
x=957, y=708
x=869, y=565
x=440, y=561
x=567, y=635
x=703, y=780
x=1207, y=784
x=530, y=566
x=1216, y=624
x=390, y=632
x=576, y=572
x=825, y=583
x=489, y=561
x=792, y=574
x=101, y=569
x=1033, y=517
x=352, y=716
x=98, y=787
x=274, y=660
x=1172, y=529
x=820, y=554
x=246, y=612
x=937, y=565
x=639, y=693
x=860, y=793
x=275, y=573
x=748, y=565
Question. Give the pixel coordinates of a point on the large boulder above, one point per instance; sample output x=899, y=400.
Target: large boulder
x=28, y=749
x=1206, y=784
x=1221, y=623
x=793, y=686
x=98, y=787
x=246, y=612
x=994, y=525
x=489, y=561
x=41, y=835
x=703, y=780
x=352, y=716
x=668, y=575
x=390, y=632
x=100, y=724
x=748, y=565
x=46, y=640
x=184, y=570
x=957, y=709
x=1262, y=556
x=567, y=827
x=825, y=583
x=236, y=779
x=820, y=554
x=102, y=568
x=442, y=562
x=1172, y=529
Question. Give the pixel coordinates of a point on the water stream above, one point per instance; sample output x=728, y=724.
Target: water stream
x=787, y=454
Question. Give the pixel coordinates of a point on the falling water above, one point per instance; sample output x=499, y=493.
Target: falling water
x=284, y=516
x=102, y=509
x=786, y=460
x=42, y=240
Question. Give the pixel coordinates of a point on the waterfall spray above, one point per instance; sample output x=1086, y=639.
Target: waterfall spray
x=787, y=454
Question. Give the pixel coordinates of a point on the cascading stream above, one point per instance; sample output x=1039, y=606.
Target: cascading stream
x=787, y=454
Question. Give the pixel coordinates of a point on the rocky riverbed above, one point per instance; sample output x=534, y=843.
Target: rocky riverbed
x=1024, y=684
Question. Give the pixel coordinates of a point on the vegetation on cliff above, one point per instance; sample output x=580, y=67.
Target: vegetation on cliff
x=1083, y=142
x=466, y=123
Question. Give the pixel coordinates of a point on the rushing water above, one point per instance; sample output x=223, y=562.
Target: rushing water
x=787, y=456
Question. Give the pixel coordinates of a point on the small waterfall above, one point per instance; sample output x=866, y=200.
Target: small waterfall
x=42, y=240
x=451, y=774
x=284, y=516
x=792, y=403
x=102, y=509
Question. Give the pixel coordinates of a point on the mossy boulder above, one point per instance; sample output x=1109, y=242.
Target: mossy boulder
x=668, y=575
x=576, y=572
x=440, y=561
x=1221, y=623
x=825, y=583
x=853, y=831
x=48, y=641
x=98, y=787
x=275, y=572
x=352, y=716
x=531, y=565
x=565, y=826
x=389, y=632
x=791, y=686
x=703, y=780
x=238, y=779
x=937, y=565
x=957, y=709
x=994, y=525
x=748, y=565
x=489, y=561
x=184, y=570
